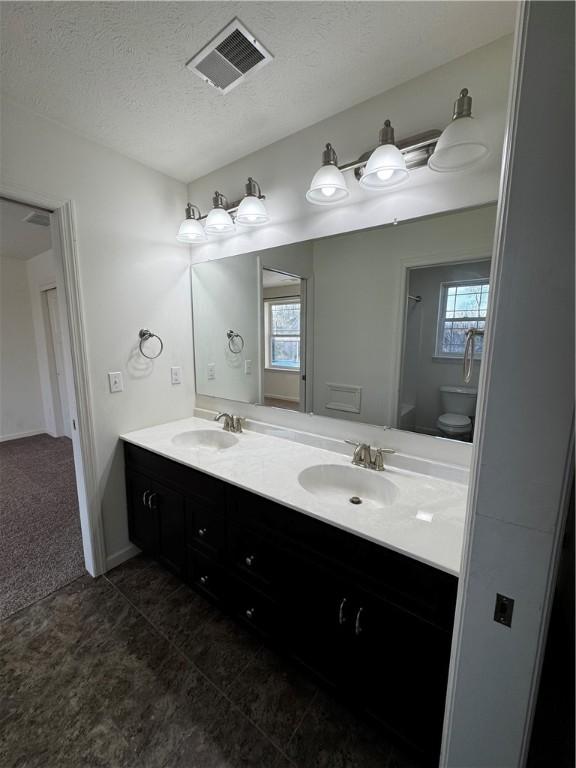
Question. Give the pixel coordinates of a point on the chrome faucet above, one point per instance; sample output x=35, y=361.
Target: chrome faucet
x=231, y=423
x=362, y=456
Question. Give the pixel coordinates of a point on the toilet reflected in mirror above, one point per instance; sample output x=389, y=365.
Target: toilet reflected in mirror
x=443, y=302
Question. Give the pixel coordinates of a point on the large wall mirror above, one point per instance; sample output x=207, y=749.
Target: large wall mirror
x=370, y=326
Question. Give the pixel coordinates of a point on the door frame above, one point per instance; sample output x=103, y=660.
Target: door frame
x=64, y=243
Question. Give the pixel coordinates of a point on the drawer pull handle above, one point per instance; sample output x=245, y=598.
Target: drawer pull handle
x=357, y=626
x=250, y=613
x=202, y=532
x=249, y=561
x=341, y=616
x=204, y=579
x=152, y=496
x=144, y=502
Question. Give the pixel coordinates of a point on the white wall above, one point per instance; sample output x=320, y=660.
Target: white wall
x=284, y=169
x=226, y=296
x=359, y=300
x=133, y=274
x=21, y=411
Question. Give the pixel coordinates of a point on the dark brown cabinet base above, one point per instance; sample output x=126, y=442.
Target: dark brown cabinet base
x=372, y=624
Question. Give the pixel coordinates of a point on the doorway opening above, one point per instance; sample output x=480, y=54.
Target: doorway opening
x=41, y=467
x=283, y=354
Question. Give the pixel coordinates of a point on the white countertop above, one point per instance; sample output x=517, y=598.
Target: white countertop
x=425, y=521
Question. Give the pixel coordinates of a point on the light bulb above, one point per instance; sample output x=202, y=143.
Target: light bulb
x=328, y=191
x=385, y=175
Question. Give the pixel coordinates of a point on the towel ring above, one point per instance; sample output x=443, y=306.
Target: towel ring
x=235, y=342
x=146, y=335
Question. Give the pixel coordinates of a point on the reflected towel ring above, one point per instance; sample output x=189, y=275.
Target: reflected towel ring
x=235, y=342
x=146, y=335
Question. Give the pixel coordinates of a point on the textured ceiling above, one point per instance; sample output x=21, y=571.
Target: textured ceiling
x=115, y=72
x=18, y=239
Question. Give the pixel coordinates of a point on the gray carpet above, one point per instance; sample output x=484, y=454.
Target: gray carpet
x=40, y=538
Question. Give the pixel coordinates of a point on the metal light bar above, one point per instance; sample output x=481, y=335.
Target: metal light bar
x=416, y=150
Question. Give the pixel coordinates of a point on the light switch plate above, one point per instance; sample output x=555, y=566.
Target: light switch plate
x=116, y=381
x=211, y=371
x=247, y=367
x=176, y=374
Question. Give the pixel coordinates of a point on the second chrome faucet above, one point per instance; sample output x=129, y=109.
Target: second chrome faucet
x=362, y=456
x=231, y=423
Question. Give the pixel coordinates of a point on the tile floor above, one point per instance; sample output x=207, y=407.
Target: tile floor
x=135, y=670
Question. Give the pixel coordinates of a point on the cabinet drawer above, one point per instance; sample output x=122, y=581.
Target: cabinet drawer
x=205, y=526
x=253, y=556
x=205, y=575
x=253, y=608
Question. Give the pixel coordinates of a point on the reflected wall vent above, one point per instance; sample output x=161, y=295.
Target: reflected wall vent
x=40, y=218
x=229, y=57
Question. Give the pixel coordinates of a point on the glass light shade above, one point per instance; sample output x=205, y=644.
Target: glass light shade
x=191, y=231
x=385, y=168
x=219, y=222
x=460, y=146
x=328, y=186
x=252, y=212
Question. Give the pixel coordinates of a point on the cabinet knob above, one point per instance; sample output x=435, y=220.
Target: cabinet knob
x=249, y=561
x=250, y=613
x=204, y=579
x=202, y=532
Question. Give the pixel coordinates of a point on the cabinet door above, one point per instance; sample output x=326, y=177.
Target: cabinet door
x=169, y=508
x=142, y=518
x=319, y=612
x=401, y=668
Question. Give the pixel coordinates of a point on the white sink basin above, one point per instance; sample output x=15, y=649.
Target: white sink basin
x=350, y=486
x=210, y=439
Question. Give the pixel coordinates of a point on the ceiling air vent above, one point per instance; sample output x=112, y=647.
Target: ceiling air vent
x=229, y=57
x=40, y=218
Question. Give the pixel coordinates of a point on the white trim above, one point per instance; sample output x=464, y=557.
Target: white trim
x=64, y=240
x=117, y=558
x=19, y=435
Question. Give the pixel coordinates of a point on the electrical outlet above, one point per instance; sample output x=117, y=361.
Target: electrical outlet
x=247, y=367
x=176, y=374
x=116, y=381
x=211, y=371
x=503, y=610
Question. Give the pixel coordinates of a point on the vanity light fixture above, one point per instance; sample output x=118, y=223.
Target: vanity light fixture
x=191, y=230
x=222, y=219
x=219, y=221
x=328, y=184
x=386, y=166
x=461, y=144
x=252, y=211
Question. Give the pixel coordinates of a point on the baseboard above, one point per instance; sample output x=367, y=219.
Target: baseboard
x=121, y=556
x=285, y=399
x=20, y=435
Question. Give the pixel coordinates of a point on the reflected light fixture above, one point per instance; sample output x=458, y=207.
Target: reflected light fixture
x=461, y=144
x=191, y=229
x=219, y=221
x=252, y=211
x=386, y=166
x=328, y=185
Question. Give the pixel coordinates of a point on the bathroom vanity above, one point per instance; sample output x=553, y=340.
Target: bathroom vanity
x=362, y=595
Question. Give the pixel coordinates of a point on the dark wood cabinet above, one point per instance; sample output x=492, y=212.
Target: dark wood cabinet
x=370, y=623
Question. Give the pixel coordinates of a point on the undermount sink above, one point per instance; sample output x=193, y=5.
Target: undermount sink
x=211, y=439
x=351, y=486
